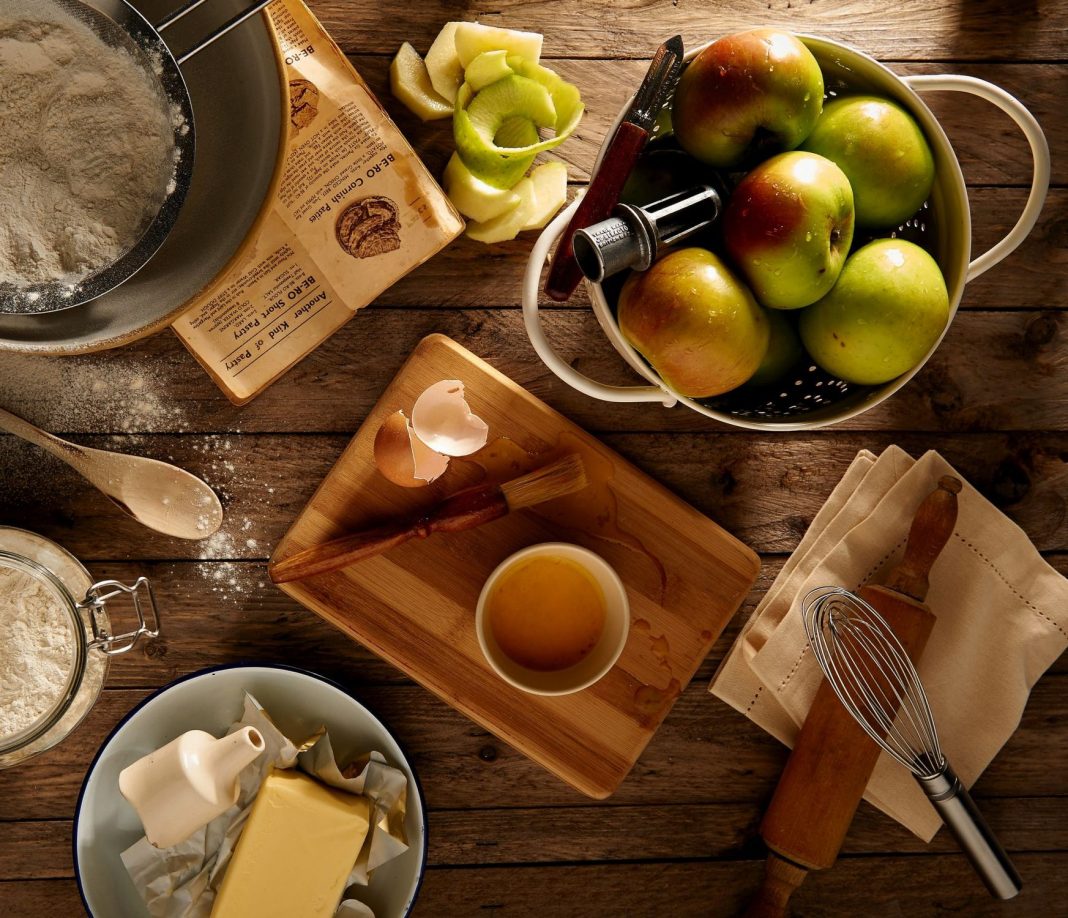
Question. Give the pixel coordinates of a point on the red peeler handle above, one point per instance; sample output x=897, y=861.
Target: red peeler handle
x=601, y=197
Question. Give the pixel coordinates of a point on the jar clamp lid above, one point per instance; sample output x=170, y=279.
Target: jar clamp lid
x=84, y=623
x=95, y=602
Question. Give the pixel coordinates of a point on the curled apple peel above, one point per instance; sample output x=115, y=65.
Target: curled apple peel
x=503, y=103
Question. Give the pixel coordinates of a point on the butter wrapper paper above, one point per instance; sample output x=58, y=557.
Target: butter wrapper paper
x=181, y=881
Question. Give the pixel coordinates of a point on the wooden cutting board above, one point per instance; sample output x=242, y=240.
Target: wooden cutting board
x=414, y=606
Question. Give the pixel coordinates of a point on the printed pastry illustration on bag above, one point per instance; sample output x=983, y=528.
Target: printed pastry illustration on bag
x=369, y=226
x=303, y=103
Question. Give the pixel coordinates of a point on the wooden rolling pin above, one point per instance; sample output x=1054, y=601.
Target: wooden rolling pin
x=833, y=758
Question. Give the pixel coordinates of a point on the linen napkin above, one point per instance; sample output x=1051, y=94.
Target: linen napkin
x=1001, y=620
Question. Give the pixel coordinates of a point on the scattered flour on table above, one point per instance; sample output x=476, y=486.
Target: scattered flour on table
x=36, y=650
x=131, y=395
x=87, y=151
x=123, y=393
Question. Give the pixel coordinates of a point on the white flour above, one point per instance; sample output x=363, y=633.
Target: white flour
x=86, y=147
x=36, y=650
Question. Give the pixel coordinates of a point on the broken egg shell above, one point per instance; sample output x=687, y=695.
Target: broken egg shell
x=402, y=457
x=443, y=420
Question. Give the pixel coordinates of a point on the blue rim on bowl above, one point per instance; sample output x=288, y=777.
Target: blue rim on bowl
x=424, y=848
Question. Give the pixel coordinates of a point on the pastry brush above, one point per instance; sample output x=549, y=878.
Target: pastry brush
x=463, y=510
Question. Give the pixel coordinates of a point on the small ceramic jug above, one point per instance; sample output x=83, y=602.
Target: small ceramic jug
x=187, y=783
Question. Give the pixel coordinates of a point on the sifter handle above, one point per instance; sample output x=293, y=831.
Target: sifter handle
x=232, y=23
x=977, y=841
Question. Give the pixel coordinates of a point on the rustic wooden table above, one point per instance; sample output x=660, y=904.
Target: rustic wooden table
x=679, y=837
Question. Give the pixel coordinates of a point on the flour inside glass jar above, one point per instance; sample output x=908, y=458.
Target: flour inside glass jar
x=36, y=650
x=86, y=147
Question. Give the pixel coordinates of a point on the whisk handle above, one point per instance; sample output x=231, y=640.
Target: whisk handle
x=977, y=841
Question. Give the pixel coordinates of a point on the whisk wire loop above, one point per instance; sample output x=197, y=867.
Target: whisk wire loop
x=873, y=677
x=870, y=673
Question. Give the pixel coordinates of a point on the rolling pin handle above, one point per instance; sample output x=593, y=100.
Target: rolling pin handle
x=781, y=878
x=931, y=529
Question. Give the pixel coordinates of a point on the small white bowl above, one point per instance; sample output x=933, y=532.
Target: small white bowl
x=591, y=667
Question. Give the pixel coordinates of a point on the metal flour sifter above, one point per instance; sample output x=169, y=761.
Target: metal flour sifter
x=119, y=24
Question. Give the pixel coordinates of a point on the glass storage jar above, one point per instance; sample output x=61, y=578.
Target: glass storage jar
x=30, y=562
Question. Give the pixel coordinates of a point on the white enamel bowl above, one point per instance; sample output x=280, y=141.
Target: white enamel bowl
x=818, y=407
x=299, y=702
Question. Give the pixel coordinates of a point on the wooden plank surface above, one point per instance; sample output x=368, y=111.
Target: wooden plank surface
x=764, y=489
x=679, y=837
x=599, y=834
x=918, y=30
x=932, y=885
x=972, y=383
x=703, y=753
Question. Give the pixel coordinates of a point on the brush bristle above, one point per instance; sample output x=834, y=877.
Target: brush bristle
x=557, y=479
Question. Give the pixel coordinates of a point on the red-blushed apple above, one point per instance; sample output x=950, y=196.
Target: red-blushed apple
x=886, y=312
x=695, y=322
x=883, y=153
x=747, y=96
x=788, y=226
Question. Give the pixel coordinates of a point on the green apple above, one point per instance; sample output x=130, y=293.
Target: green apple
x=695, y=322
x=443, y=64
x=784, y=349
x=549, y=181
x=496, y=129
x=747, y=96
x=410, y=82
x=473, y=38
x=473, y=197
x=886, y=312
x=788, y=226
x=882, y=151
x=487, y=68
x=515, y=105
x=509, y=224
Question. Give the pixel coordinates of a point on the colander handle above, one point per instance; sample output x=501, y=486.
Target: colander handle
x=531, y=286
x=1027, y=123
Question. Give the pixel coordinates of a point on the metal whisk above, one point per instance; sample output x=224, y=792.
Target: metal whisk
x=875, y=680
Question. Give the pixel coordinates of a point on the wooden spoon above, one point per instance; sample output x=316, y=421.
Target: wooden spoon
x=158, y=495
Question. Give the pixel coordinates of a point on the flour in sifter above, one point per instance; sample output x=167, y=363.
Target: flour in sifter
x=36, y=650
x=86, y=147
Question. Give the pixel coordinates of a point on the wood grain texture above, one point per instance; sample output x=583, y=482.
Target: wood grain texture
x=763, y=489
x=679, y=838
x=704, y=752
x=980, y=30
x=933, y=886
x=930, y=886
x=998, y=370
x=599, y=834
x=684, y=576
x=209, y=619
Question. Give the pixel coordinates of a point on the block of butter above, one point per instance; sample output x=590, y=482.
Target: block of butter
x=295, y=852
